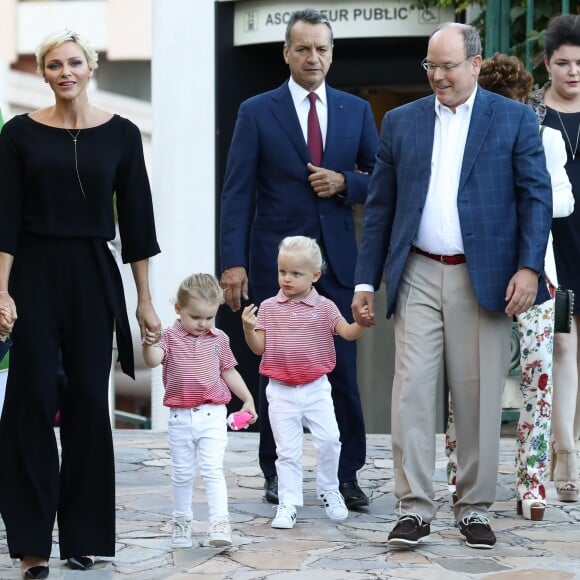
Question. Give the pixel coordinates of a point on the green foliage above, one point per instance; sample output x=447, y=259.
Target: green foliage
x=460, y=6
x=543, y=11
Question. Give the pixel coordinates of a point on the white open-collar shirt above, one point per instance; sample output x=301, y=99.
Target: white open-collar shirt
x=439, y=229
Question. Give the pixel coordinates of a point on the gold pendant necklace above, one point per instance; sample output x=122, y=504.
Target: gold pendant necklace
x=75, y=138
x=573, y=152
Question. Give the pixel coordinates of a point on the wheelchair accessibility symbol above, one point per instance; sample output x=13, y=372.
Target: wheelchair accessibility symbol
x=428, y=16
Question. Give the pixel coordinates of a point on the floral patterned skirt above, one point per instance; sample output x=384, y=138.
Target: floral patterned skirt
x=536, y=332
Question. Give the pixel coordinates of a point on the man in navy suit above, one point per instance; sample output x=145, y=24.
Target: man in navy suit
x=272, y=189
x=457, y=216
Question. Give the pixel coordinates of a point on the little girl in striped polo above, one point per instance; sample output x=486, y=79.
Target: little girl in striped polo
x=198, y=375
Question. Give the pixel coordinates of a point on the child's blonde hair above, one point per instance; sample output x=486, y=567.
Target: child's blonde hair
x=308, y=246
x=200, y=287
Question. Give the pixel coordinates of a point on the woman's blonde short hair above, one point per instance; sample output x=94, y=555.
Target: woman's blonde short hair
x=58, y=38
x=308, y=246
x=200, y=287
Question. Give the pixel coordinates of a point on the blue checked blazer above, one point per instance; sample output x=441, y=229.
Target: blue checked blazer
x=504, y=198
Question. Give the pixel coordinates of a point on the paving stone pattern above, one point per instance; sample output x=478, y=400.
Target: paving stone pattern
x=316, y=548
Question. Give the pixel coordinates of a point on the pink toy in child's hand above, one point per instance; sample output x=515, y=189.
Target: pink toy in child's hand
x=239, y=420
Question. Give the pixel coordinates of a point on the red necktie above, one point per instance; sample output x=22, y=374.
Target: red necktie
x=314, y=139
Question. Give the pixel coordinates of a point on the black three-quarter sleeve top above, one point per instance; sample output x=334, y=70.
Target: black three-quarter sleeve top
x=40, y=191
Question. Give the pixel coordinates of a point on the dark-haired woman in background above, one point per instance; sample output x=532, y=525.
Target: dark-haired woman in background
x=557, y=105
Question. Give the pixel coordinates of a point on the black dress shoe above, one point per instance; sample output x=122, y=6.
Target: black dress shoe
x=80, y=562
x=354, y=496
x=408, y=530
x=271, y=489
x=36, y=572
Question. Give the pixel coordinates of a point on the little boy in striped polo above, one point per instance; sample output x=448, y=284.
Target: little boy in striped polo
x=293, y=332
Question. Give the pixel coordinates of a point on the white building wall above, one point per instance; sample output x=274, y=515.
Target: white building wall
x=121, y=27
x=183, y=99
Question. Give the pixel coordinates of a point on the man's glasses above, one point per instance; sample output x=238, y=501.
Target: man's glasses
x=447, y=67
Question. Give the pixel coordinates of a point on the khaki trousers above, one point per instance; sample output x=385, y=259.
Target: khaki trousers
x=438, y=320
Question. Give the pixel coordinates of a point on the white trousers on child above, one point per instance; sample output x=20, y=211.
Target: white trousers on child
x=199, y=431
x=291, y=408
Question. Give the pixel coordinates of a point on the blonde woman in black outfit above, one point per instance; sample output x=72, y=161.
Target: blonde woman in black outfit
x=60, y=167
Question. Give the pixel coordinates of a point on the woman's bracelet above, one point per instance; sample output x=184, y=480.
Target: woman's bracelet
x=3, y=291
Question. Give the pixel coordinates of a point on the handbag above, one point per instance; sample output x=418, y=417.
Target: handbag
x=563, y=310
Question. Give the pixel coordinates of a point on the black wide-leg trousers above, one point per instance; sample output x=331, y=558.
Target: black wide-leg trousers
x=62, y=309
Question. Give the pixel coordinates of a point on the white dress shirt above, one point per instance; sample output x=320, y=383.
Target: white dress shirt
x=302, y=104
x=439, y=229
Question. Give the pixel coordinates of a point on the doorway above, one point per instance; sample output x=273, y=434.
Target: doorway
x=384, y=71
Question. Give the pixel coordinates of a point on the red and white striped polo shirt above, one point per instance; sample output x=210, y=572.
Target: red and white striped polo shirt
x=192, y=366
x=299, y=337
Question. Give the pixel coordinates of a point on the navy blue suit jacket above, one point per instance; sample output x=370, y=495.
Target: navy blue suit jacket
x=504, y=198
x=267, y=196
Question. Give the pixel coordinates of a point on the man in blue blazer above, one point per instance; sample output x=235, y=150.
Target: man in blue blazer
x=457, y=216
x=273, y=188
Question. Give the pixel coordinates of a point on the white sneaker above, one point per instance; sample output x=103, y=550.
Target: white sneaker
x=181, y=533
x=334, y=504
x=285, y=517
x=453, y=497
x=220, y=533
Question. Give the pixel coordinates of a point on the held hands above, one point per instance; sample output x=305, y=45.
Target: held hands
x=149, y=323
x=364, y=312
x=7, y=315
x=234, y=281
x=326, y=182
x=363, y=308
x=4, y=323
x=151, y=337
x=521, y=291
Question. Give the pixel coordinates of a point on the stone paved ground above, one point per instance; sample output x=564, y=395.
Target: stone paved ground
x=316, y=548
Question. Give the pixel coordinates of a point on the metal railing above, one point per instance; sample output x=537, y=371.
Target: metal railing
x=497, y=26
x=132, y=419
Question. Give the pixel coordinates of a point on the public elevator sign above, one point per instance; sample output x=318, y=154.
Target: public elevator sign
x=262, y=21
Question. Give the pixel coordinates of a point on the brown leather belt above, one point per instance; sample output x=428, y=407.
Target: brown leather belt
x=449, y=260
